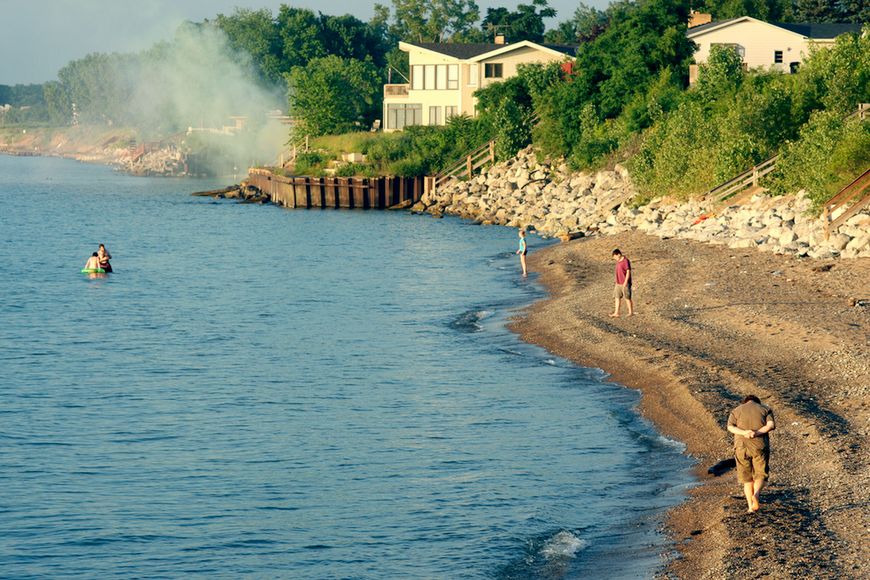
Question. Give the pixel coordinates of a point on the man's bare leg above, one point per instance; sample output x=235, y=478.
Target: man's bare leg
x=615, y=308
x=523, y=262
x=630, y=307
x=757, y=486
x=749, y=492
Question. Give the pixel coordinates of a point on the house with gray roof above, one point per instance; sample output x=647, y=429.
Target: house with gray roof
x=779, y=46
x=444, y=77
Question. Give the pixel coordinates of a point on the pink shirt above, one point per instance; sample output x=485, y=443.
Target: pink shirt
x=622, y=268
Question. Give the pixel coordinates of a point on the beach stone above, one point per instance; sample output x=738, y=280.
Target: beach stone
x=742, y=243
x=858, y=243
x=838, y=241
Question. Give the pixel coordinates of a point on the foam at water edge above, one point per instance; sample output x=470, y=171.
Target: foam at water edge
x=562, y=545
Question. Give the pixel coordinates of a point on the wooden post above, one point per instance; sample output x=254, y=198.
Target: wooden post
x=492, y=152
x=468, y=166
x=359, y=194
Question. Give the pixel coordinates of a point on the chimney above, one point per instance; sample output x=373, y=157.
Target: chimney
x=499, y=39
x=699, y=18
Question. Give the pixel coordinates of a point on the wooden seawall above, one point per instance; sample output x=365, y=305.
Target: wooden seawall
x=338, y=192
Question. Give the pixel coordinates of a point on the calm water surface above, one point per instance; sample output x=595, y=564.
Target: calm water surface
x=260, y=392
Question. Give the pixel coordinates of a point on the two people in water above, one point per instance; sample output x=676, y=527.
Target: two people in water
x=99, y=260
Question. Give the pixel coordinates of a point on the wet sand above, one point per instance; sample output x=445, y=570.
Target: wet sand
x=713, y=324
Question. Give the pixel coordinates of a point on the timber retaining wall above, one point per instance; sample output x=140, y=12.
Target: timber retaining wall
x=339, y=192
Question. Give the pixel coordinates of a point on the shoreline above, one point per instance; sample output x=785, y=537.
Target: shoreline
x=713, y=324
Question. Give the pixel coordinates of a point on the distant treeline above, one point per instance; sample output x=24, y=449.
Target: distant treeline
x=334, y=66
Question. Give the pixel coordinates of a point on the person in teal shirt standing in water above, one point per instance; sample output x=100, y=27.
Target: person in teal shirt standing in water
x=522, y=251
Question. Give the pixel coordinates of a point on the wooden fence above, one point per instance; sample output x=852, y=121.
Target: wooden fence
x=851, y=199
x=465, y=167
x=749, y=178
x=339, y=192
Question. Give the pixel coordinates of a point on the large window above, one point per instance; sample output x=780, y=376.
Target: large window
x=437, y=77
x=450, y=112
x=434, y=115
x=493, y=70
x=453, y=76
x=401, y=115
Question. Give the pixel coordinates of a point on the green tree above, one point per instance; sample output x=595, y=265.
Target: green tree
x=585, y=25
x=255, y=32
x=431, y=20
x=525, y=23
x=300, y=33
x=335, y=95
x=768, y=10
x=348, y=37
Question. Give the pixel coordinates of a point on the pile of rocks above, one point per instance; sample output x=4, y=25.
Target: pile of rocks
x=165, y=161
x=550, y=199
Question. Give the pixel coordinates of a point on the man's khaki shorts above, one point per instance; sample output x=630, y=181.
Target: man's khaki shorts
x=752, y=464
x=620, y=291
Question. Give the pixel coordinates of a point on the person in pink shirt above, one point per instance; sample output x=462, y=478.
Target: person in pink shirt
x=622, y=290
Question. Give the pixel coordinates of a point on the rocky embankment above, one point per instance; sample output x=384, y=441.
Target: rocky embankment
x=523, y=192
x=108, y=146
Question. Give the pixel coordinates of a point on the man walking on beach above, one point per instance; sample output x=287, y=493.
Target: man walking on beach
x=623, y=284
x=750, y=423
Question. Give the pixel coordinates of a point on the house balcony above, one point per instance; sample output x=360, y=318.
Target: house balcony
x=396, y=91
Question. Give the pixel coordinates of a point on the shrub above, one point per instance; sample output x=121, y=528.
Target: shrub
x=829, y=154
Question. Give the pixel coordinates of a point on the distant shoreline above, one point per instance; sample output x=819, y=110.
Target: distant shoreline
x=714, y=324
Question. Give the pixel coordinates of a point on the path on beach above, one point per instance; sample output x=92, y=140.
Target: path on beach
x=713, y=325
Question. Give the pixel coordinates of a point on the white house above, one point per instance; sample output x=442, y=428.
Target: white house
x=444, y=77
x=770, y=45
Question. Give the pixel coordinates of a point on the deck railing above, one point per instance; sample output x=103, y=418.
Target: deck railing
x=396, y=90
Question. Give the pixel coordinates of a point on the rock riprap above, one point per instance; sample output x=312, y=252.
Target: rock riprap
x=549, y=198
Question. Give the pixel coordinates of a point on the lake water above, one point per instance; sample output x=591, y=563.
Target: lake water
x=262, y=392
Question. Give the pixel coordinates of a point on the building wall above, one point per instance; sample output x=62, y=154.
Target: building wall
x=471, y=78
x=511, y=60
x=759, y=42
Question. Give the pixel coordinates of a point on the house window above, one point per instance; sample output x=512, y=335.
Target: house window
x=434, y=115
x=777, y=56
x=793, y=67
x=417, y=77
x=473, y=73
x=453, y=76
x=401, y=115
x=450, y=112
x=738, y=48
x=441, y=77
x=492, y=70
x=429, y=83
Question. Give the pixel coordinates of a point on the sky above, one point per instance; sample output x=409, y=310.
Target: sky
x=38, y=37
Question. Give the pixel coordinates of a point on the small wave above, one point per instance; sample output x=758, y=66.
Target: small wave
x=470, y=321
x=562, y=545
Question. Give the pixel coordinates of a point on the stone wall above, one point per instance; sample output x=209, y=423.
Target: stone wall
x=550, y=199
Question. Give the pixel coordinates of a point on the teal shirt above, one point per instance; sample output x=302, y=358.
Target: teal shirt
x=522, y=244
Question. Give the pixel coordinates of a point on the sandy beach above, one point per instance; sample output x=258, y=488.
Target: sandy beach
x=713, y=324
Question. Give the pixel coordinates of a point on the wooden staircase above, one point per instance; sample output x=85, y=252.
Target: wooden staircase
x=741, y=187
x=289, y=155
x=852, y=199
x=464, y=168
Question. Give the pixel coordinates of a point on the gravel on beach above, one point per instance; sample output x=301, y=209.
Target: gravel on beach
x=712, y=325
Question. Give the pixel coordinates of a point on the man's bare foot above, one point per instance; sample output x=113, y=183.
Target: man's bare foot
x=631, y=314
x=614, y=316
